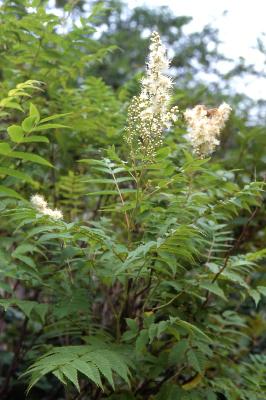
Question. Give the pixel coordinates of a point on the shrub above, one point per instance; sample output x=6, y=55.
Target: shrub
x=143, y=284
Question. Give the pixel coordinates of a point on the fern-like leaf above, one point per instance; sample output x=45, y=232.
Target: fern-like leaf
x=66, y=362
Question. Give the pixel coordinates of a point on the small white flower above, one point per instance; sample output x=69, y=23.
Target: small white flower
x=58, y=214
x=54, y=214
x=225, y=110
x=41, y=205
x=38, y=201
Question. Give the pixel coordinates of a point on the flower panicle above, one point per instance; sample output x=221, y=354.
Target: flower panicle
x=204, y=127
x=149, y=114
x=40, y=204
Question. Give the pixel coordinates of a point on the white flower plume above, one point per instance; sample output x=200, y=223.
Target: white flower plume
x=205, y=126
x=41, y=205
x=149, y=114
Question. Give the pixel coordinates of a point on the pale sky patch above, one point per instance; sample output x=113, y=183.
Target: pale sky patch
x=239, y=29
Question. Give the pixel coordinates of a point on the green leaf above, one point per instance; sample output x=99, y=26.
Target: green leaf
x=132, y=324
x=24, y=248
x=40, y=229
x=118, y=364
x=27, y=260
x=35, y=377
x=255, y=296
x=7, y=192
x=28, y=124
x=41, y=310
x=25, y=306
x=213, y=288
x=262, y=290
x=88, y=369
x=59, y=375
x=194, y=329
x=5, y=149
x=210, y=395
x=5, y=303
x=46, y=119
x=49, y=126
x=177, y=352
x=105, y=367
x=9, y=103
x=71, y=374
x=30, y=157
x=35, y=139
x=17, y=174
x=195, y=361
x=34, y=112
x=91, y=361
x=15, y=133
x=142, y=341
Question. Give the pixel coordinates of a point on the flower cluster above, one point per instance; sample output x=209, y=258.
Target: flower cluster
x=41, y=205
x=149, y=114
x=205, y=126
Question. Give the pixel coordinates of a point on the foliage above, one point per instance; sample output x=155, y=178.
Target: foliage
x=153, y=285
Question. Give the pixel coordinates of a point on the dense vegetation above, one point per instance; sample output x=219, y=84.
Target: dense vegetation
x=143, y=276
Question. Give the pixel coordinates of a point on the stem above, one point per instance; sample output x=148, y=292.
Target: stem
x=138, y=182
x=124, y=307
x=168, y=303
x=147, y=286
x=122, y=200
